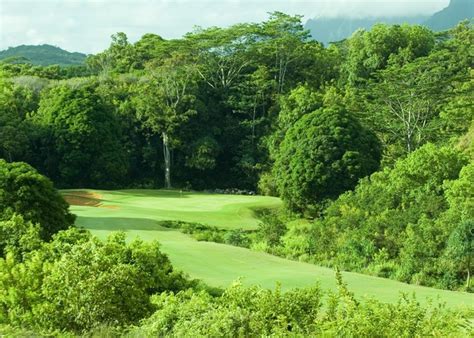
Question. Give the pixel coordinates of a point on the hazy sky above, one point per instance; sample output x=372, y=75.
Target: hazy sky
x=86, y=25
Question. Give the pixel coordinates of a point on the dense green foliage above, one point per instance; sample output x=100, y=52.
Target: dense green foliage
x=24, y=191
x=243, y=312
x=81, y=138
x=411, y=222
x=77, y=282
x=396, y=223
x=210, y=110
x=373, y=50
x=323, y=154
x=18, y=237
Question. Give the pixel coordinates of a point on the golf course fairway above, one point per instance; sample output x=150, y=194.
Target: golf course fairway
x=137, y=212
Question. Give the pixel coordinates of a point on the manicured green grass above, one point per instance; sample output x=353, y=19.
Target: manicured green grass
x=224, y=211
x=137, y=213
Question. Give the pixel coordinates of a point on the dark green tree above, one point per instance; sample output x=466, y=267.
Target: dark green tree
x=83, y=137
x=324, y=154
x=25, y=192
x=460, y=249
x=15, y=103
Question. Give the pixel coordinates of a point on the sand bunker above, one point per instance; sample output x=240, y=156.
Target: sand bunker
x=86, y=198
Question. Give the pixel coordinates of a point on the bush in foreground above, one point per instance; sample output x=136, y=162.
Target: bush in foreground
x=253, y=311
x=77, y=282
x=26, y=192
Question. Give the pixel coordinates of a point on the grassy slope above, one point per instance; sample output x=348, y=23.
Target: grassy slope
x=136, y=212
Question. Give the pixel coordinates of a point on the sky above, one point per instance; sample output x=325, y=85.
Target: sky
x=86, y=25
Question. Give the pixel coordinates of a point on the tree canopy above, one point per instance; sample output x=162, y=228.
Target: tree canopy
x=322, y=155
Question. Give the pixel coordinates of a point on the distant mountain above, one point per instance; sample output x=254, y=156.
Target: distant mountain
x=328, y=30
x=448, y=17
x=43, y=55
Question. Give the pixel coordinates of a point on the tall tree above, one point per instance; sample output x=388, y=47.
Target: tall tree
x=222, y=54
x=369, y=51
x=15, y=103
x=460, y=248
x=282, y=41
x=165, y=101
x=404, y=101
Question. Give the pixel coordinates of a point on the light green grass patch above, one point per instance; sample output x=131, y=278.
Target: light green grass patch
x=224, y=211
x=137, y=212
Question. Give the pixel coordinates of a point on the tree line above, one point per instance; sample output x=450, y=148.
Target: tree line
x=211, y=109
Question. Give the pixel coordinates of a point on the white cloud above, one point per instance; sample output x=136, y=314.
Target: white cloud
x=86, y=25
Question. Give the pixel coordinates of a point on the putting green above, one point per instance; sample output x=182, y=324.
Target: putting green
x=224, y=211
x=137, y=213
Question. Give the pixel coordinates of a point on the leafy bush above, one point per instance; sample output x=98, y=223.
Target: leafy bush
x=237, y=237
x=240, y=311
x=271, y=229
x=26, y=192
x=460, y=249
x=77, y=282
x=18, y=237
x=252, y=311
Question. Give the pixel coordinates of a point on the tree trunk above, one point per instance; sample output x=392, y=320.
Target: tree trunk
x=468, y=281
x=167, y=157
x=253, y=118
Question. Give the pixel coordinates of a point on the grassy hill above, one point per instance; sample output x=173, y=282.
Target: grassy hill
x=43, y=55
x=138, y=211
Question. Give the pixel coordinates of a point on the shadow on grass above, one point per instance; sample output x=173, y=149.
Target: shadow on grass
x=120, y=224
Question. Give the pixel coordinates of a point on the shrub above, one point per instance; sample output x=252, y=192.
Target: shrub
x=25, y=192
x=77, y=282
x=253, y=311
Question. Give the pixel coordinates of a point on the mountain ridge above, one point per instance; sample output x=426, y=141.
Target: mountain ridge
x=328, y=30
x=42, y=55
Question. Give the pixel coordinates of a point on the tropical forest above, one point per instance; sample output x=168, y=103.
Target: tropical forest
x=240, y=181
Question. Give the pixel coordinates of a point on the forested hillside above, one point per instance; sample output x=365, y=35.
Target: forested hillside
x=368, y=142
x=42, y=55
